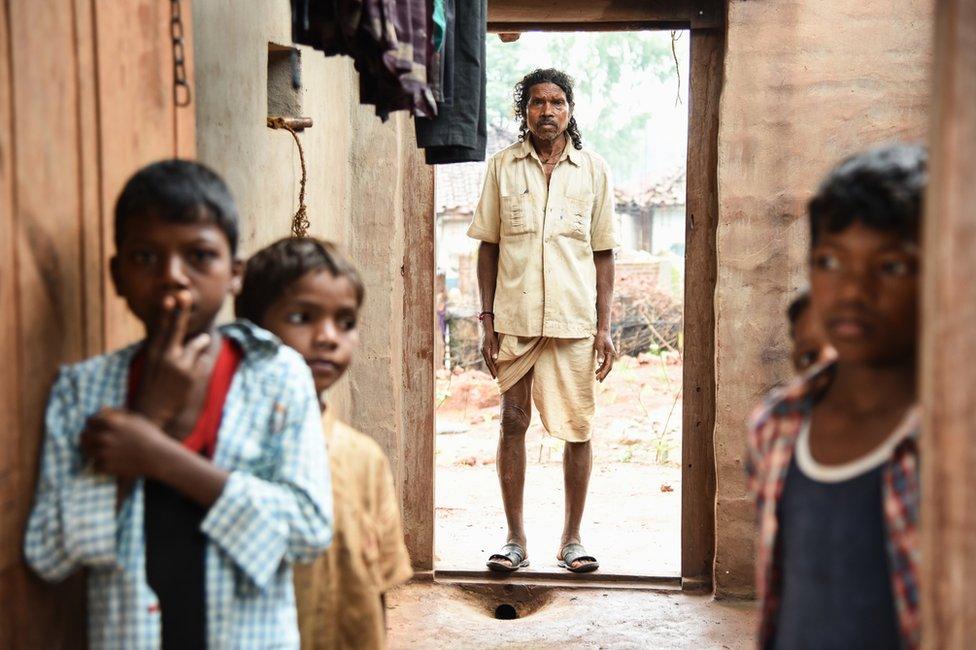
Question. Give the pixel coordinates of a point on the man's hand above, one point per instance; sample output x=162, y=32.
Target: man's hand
x=605, y=354
x=122, y=444
x=489, y=345
x=172, y=367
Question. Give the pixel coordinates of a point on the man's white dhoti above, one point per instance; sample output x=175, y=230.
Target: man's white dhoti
x=563, y=382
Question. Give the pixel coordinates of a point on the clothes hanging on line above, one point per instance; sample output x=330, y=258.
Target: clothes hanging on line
x=458, y=132
x=442, y=63
x=390, y=41
x=440, y=24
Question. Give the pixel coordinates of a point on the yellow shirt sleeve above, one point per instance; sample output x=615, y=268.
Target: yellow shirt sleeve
x=486, y=225
x=602, y=228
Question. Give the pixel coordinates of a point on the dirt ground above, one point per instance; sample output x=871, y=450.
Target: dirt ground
x=431, y=616
x=632, y=520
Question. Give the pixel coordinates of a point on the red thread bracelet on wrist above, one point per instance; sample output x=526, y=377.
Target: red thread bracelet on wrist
x=481, y=316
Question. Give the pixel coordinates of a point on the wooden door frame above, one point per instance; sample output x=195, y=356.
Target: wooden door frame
x=707, y=54
x=705, y=19
x=946, y=372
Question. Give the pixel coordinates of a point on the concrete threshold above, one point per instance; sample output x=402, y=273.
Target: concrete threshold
x=457, y=610
x=563, y=580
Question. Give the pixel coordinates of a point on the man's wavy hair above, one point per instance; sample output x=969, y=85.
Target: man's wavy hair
x=523, y=90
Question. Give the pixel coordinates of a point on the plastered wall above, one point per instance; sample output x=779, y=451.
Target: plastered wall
x=806, y=83
x=368, y=189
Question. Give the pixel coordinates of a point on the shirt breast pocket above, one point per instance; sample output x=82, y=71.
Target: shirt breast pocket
x=517, y=215
x=577, y=215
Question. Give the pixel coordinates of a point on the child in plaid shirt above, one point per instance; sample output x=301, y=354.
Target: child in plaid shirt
x=186, y=472
x=833, y=457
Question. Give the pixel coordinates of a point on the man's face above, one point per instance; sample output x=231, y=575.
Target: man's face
x=864, y=286
x=158, y=258
x=317, y=317
x=547, y=113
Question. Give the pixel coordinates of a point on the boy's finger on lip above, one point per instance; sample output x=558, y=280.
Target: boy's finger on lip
x=176, y=301
x=184, y=299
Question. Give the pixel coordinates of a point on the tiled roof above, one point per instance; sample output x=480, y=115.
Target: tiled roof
x=666, y=190
x=457, y=187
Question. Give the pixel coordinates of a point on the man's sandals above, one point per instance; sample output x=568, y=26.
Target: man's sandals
x=511, y=558
x=572, y=553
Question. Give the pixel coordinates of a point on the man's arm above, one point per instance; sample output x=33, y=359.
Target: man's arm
x=487, y=277
x=603, y=344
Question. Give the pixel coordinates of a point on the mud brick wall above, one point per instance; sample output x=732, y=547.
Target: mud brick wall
x=806, y=83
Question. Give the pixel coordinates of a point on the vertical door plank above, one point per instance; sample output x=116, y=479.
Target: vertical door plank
x=136, y=117
x=948, y=375
x=9, y=378
x=49, y=281
x=698, y=406
x=89, y=178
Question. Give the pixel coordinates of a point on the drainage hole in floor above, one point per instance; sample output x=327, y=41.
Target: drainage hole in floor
x=506, y=612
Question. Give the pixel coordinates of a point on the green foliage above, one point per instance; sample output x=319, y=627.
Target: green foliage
x=612, y=73
x=663, y=444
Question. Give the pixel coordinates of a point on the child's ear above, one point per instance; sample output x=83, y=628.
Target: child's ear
x=237, y=276
x=113, y=266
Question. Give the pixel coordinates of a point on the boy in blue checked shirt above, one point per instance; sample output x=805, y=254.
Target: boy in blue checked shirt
x=187, y=472
x=833, y=458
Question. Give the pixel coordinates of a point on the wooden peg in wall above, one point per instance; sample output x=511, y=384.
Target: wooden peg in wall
x=292, y=123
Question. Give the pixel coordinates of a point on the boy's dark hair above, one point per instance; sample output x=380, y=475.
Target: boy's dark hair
x=179, y=191
x=523, y=91
x=881, y=188
x=272, y=269
x=796, y=309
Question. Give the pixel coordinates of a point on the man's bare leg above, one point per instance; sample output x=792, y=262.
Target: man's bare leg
x=577, y=462
x=516, y=413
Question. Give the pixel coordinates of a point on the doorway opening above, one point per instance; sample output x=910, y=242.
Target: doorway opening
x=632, y=109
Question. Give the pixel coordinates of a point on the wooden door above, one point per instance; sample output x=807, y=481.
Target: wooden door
x=86, y=97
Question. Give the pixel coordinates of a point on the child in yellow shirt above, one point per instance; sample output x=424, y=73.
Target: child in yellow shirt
x=305, y=292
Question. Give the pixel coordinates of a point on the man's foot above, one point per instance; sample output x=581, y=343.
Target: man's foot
x=573, y=558
x=511, y=558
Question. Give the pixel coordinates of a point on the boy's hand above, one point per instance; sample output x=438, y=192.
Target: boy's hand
x=172, y=367
x=605, y=354
x=122, y=443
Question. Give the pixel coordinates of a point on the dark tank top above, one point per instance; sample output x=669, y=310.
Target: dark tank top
x=836, y=587
x=175, y=547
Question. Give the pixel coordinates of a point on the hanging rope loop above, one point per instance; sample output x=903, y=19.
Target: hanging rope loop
x=299, y=222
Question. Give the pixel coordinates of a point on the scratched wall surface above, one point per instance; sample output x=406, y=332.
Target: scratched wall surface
x=805, y=85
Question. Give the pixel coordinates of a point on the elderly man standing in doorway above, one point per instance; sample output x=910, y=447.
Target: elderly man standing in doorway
x=545, y=272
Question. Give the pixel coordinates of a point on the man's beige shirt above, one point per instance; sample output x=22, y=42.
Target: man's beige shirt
x=547, y=235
